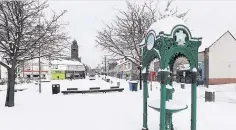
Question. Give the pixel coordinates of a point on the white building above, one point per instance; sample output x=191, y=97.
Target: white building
x=219, y=61
x=3, y=72
x=30, y=69
x=63, y=69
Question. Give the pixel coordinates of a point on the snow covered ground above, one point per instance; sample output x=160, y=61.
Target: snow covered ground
x=110, y=111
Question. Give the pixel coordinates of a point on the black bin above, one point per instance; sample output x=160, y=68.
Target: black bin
x=209, y=96
x=55, y=88
x=182, y=86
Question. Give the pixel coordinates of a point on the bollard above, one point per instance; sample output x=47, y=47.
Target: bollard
x=182, y=86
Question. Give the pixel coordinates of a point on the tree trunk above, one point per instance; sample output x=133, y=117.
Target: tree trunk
x=10, y=87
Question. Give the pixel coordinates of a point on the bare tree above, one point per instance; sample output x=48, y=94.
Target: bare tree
x=122, y=37
x=22, y=35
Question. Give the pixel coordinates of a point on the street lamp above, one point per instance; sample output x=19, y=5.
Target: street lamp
x=140, y=68
x=39, y=45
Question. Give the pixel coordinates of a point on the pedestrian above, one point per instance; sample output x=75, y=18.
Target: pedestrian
x=71, y=77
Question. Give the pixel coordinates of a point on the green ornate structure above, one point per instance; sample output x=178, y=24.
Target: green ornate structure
x=166, y=40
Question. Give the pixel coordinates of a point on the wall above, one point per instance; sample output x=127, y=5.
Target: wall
x=222, y=64
x=31, y=67
x=201, y=56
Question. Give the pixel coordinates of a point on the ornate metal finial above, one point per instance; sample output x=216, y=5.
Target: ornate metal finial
x=180, y=37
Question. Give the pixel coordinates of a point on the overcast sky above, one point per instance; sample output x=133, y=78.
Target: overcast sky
x=208, y=19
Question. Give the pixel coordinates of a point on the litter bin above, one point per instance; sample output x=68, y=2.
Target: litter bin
x=130, y=86
x=182, y=86
x=118, y=84
x=133, y=86
x=55, y=88
x=209, y=95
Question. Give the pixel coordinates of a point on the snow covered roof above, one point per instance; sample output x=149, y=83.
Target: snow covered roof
x=66, y=62
x=36, y=60
x=211, y=40
x=166, y=25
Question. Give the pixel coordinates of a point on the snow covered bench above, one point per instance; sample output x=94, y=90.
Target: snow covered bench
x=113, y=90
x=71, y=89
x=94, y=91
x=113, y=87
x=22, y=89
x=71, y=92
x=94, y=88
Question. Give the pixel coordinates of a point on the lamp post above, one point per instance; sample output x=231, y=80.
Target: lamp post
x=39, y=47
x=140, y=64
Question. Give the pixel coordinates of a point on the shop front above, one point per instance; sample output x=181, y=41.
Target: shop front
x=74, y=74
x=58, y=74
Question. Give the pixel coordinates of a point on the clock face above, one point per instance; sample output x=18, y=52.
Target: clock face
x=150, y=41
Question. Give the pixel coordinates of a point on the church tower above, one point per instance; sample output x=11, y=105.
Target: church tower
x=74, y=50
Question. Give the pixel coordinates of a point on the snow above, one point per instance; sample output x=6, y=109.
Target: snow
x=162, y=70
x=157, y=51
x=194, y=70
x=210, y=90
x=166, y=25
x=112, y=111
x=169, y=87
x=144, y=70
x=133, y=81
x=170, y=105
x=66, y=62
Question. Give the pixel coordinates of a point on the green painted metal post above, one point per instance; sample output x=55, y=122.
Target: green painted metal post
x=194, y=101
x=145, y=85
x=164, y=75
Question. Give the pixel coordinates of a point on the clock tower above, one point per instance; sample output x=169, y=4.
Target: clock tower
x=74, y=50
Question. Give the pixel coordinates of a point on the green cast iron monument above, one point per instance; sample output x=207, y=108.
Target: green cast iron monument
x=166, y=40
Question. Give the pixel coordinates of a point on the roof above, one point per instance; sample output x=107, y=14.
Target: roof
x=66, y=62
x=166, y=25
x=202, y=48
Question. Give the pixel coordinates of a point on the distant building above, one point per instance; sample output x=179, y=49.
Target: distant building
x=64, y=69
x=61, y=68
x=30, y=69
x=127, y=70
x=218, y=62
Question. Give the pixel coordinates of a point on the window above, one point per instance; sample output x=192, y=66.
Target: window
x=74, y=50
x=129, y=65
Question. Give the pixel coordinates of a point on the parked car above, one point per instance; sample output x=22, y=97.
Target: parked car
x=92, y=77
